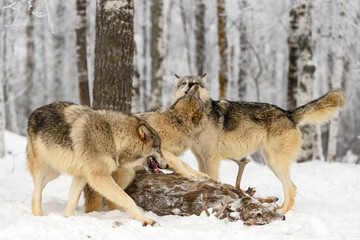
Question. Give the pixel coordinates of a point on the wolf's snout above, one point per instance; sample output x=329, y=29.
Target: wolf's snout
x=192, y=84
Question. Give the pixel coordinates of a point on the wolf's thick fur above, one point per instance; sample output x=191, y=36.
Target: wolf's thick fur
x=177, y=127
x=236, y=129
x=89, y=145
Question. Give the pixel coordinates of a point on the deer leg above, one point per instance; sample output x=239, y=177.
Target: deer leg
x=241, y=163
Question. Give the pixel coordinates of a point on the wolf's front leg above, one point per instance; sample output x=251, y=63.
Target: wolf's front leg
x=180, y=167
x=107, y=187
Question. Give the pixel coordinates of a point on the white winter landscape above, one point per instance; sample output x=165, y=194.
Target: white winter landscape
x=327, y=206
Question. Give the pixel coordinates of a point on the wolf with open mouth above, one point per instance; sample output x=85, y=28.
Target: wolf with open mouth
x=89, y=145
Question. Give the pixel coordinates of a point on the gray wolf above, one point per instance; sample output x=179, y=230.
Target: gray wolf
x=89, y=145
x=236, y=129
x=177, y=127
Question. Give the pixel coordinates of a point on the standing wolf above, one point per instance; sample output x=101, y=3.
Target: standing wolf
x=89, y=145
x=236, y=129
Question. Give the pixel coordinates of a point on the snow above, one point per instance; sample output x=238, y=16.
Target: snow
x=327, y=206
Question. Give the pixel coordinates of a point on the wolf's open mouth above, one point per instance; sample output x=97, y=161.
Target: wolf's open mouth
x=153, y=164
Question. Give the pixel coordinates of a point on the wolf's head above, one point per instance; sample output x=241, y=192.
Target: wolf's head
x=152, y=143
x=190, y=108
x=184, y=84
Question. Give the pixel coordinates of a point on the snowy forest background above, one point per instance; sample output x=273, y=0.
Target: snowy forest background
x=41, y=67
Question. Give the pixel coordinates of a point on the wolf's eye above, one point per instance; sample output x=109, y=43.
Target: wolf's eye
x=184, y=83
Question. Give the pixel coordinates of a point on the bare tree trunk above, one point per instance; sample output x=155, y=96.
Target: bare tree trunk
x=222, y=42
x=187, y=36
x=2, y=78
x=135, y=93
x=59, y=48
x=2, y=120
x=293, y=73
x=114, y=53
x=30, y=62
x=337, y=83
x=200, y=37
x=244, y=56
x=81, y=54
x=309, y=133
x=156, y=53
x=330, y=73
x=144, y=75
x=8, y=73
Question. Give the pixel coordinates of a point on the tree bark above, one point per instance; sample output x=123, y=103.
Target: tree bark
x=30, y=62
x=59, y=48
x=200, y=37
x=337, y=82
x=135, y=93
x=81, y=54
x=187, y=35
x=2, y=121
x=244, y=56
x=114, y=53
x=222, y=42
x=309, y=134
x=144, y=76
x=293, y=73
x=156, y=53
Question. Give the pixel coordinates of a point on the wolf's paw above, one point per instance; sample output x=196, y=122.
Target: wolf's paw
x=148, y=221
x=203, y=175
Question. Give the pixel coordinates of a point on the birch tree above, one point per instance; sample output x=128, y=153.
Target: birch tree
x=8, y=65
x=145, y=54
x=114, y=53
x=59, y=46
x=200, y=37
x=2, y=121
x=222, y=42
x=337, y=80
x=156, y=53
x=30, y=61
x=307, y=67
x=81, y=55
x=135, y=93
x=293, y=58
x=244, y=55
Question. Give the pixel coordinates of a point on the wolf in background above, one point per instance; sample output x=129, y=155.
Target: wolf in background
x=89, y=145
x=236, y=129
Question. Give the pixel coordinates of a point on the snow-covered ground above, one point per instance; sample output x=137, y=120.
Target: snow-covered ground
x=327, y=206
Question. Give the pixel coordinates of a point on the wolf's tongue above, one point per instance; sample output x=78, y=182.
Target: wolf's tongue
x=154, y=167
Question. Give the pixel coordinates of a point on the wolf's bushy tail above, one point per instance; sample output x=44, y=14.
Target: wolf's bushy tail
x=319, y=110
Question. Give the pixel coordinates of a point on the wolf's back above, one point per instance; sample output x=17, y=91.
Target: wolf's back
x=319, y=110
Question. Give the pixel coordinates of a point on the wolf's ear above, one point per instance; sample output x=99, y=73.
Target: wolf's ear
x=144, y=133
x=203, y=77
x=177, y=78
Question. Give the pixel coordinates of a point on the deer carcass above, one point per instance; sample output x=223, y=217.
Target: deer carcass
x=172, y=194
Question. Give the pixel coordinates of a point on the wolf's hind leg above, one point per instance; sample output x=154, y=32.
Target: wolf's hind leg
x=92, y=199
x=41, y=175
x=279, y=154
x=77, y=185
